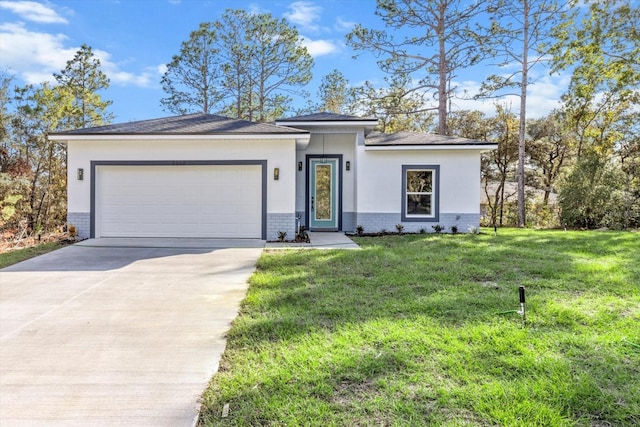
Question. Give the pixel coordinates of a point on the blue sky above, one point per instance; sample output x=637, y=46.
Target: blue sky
x=134, y=39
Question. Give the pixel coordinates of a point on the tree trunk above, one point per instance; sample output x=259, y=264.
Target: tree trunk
x=239, y=94
x=492, y=206
x=523, y=115
x=205, y=92
x=548, y=177
x=442, y=70
x=83, y=94
x=501, y=192
x=627, y=197
x=261, y=99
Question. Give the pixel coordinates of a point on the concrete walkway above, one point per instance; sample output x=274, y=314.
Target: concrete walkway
x=319, y=240
x=99, y=334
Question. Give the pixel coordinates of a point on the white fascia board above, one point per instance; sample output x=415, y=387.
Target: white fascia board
x=430, y=147
x=300, y=138
x=303, y=143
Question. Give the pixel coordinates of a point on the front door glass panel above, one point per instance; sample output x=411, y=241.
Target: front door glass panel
x=323, y=192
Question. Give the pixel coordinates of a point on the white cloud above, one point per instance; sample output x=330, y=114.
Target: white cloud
x=319, y=47
x=35, y=56
x=118, y=76
x=33, y=11
x=127, y=79
x=255, y=9
x=543, y=96
x=305, y=14
x=343, y=25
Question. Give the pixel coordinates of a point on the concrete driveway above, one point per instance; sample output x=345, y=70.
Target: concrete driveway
x=113, y=334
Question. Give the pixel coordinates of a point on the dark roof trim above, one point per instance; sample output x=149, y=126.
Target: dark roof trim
x=327, y=117
x=416, y=139
x=191, y=124
x=443, y=144
x=247, y=133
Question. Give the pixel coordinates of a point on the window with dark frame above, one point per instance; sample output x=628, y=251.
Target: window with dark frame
x=420, y=192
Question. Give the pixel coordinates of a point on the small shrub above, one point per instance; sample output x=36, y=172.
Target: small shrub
x=302, y=235
x=360, y=230
x=73, y=231
x=400, y=228
x=422, y=231
x=454, y=229
x=282, y=235
x=437, y=228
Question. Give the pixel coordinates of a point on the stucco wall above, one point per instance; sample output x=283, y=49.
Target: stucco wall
x=379, y=195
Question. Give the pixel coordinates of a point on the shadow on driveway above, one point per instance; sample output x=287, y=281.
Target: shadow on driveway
x=113, y=254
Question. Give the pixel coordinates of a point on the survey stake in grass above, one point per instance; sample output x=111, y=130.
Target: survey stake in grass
x=522, y=311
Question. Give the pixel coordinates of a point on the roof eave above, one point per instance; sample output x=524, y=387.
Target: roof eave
x=317, y=123
x=302, y=135
x=389, y=147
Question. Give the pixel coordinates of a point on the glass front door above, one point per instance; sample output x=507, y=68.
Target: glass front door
x=323, y=200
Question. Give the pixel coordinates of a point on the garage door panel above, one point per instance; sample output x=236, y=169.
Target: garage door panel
x=179, y=201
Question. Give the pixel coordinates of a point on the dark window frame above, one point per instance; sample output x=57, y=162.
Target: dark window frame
x=435, y=194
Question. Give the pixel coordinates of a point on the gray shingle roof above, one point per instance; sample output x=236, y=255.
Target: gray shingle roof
x=190, y=124
x=416, y=138
x=325, y=117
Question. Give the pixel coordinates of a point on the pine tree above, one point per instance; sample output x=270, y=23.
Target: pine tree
x=83, y=78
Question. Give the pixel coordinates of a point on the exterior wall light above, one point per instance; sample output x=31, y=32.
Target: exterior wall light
x=299, y=166
x=80, y=174
x=276, y=174
x=348, y=165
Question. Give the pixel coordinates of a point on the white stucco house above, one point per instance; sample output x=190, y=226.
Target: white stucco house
x=207, y=176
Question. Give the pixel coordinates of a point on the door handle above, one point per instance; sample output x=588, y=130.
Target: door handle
x=311, y=202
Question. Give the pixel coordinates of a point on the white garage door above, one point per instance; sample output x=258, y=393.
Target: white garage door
x=218, y=201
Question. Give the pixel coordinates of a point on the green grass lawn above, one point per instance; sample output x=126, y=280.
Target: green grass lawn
x=412, y=330
x=19, y=255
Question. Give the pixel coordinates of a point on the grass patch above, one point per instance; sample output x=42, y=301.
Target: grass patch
x=409, y=331
x=19, y=255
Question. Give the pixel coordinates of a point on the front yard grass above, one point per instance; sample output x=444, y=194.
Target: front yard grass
x=18, y=255
x=417, y=330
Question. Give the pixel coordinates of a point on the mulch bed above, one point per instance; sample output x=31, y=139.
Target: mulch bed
x=9, y=242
